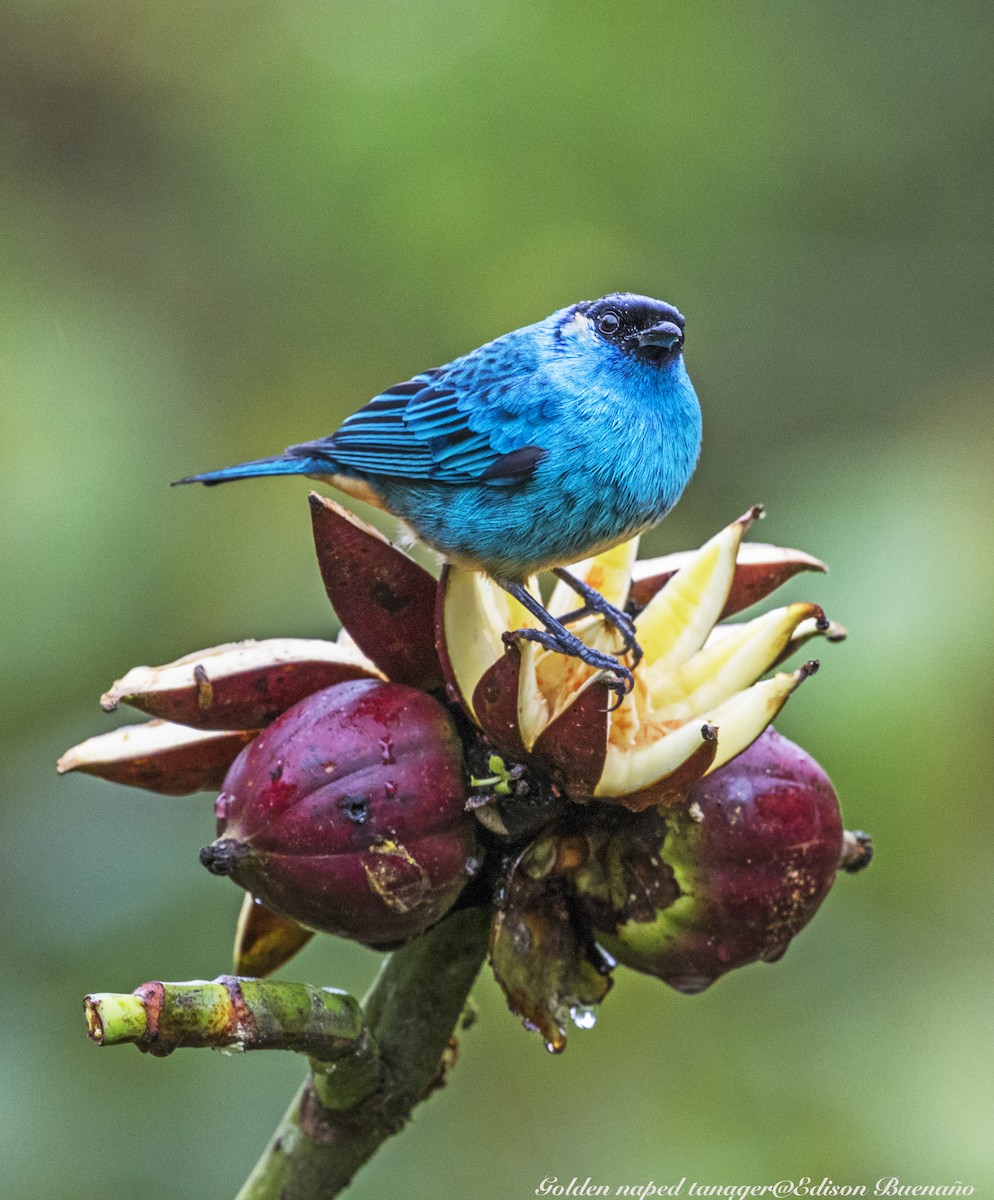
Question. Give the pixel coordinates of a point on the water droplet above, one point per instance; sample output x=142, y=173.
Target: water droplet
x=390, y=790
x=610, y=962
x=583, y=1016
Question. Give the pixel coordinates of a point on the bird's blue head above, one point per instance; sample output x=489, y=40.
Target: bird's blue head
x=621, y=358
x=648, y=331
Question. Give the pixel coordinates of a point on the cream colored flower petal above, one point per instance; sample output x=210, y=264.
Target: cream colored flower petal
x=231, y=659
x=739, y=722
x=346, y=639
x=159, y=756
x=760, y=569
x=808, y=629
x=240, y=685
x=727, y=664
x=534, y=709
x=634, y=769
x=609, y=573
x=752, y=554
x=743, y=718
x=476, y=613
x=811, y=628
x=559, y=679
x=676, y=622
x=131, y=741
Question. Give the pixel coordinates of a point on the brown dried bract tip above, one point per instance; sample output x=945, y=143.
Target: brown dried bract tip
x=265, y=940
x=448, y=1060
x=809, y=668
x=205, y=689
x=857, y=851
x=221, y=855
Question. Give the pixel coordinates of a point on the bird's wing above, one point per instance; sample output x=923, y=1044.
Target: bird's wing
x=479, y=420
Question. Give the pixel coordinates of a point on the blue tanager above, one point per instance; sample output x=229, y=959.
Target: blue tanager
x=542, y=447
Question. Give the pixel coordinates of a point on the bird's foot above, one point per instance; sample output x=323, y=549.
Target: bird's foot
x=619, y=679
x=594, y=603
x=555, y=636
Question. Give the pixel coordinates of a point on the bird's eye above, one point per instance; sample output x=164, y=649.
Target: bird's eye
x=608, y=323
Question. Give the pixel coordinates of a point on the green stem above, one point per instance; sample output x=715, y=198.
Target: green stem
x=340, y=1117
x=250, y=1014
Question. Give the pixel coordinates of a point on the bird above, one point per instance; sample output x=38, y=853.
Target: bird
x=542, y=447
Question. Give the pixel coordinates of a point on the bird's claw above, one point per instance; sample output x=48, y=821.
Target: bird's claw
x=620, y=681
x=615, y=675
x=595, y=604
x=624, y=624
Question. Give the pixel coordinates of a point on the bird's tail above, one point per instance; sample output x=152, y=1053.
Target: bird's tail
x=280, y=464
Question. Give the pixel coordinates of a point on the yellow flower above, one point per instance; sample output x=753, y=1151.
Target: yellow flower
x=696, y=702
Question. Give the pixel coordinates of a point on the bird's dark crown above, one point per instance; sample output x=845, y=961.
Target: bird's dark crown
x=640, y=325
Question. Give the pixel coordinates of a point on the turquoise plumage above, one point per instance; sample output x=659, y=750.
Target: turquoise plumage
x=539, y=448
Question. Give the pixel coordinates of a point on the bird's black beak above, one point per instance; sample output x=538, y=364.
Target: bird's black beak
x=666, y=334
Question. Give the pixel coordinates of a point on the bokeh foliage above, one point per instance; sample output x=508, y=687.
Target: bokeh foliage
x=226, y=225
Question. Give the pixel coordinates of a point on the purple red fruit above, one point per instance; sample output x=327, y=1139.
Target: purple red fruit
x=347, y=813
x=726, y=879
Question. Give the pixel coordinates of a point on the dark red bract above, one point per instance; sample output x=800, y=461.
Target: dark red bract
x=347, y=813
x=726, y=879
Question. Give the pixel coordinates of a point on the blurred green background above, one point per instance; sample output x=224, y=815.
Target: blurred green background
x=225, y=226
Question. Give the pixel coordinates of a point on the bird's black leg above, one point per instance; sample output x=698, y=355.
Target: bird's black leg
x=594, y=602
x=557, y=637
